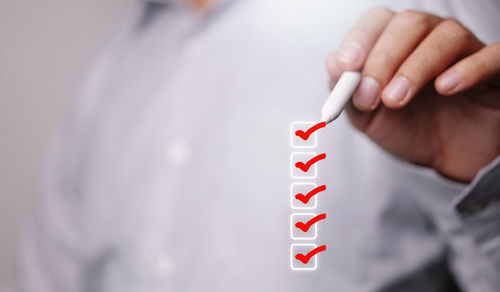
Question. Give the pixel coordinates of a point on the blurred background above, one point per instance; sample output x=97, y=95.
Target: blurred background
x=45, y=47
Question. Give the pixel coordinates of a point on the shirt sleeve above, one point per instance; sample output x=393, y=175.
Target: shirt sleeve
x=478, y=210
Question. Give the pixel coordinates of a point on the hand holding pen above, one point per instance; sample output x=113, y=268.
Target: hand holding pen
x=428, y=90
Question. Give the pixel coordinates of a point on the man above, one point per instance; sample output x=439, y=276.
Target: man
x=172, y=173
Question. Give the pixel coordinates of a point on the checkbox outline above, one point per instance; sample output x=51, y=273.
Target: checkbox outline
x=292, y=227
x=293, y=199
x=292, y=165
x=292, y=135
x=293, y=259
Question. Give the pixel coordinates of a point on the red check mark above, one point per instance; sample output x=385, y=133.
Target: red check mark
x=305, y=226
x=305, y=198
x=305, y=166
x=305, y=135
x=305, y=258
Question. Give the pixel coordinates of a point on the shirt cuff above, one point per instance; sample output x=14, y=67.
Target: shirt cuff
x=483, y=192
x=478, y=206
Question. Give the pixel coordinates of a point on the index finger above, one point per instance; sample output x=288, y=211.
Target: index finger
x=359, y=41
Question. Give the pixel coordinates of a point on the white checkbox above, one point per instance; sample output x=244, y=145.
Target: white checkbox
x=303, y=157
x=304, y=189
x=296, y=141
x=296, y=233
x=302, y=248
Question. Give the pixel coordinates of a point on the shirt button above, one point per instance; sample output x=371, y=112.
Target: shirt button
x=164, y=265
x=152, y=267
x=177, y=152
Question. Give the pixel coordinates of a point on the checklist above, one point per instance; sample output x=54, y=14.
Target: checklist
x=303, y=196
x=304, y=256
x=303, y=164
x=303, y=139
x=304, y=193
x=303, y=227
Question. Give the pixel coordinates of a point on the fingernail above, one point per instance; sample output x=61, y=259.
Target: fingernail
x=449, y=81
x=397, y=90
x=367, y=93
x=350, y=53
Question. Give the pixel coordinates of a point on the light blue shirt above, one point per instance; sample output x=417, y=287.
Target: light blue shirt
x=172, y=171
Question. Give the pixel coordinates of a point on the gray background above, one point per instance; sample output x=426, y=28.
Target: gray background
x=45, y=45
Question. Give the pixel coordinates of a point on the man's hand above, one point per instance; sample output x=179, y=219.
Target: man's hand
x=451, y=124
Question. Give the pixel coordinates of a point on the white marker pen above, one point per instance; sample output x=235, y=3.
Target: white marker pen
x=340, y=95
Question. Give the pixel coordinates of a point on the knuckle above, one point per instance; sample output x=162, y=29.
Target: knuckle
x=452, y=24
x=456, y=30
x=380, y=10
x=415, y=19
x=479, y=66
x=495, y=47
x=409, y=14
x=380, y=59
x=360, y=35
